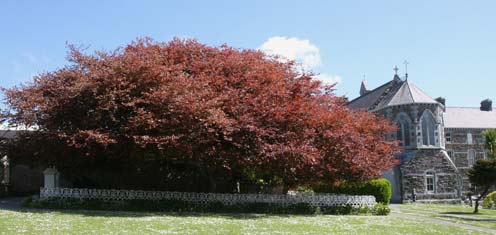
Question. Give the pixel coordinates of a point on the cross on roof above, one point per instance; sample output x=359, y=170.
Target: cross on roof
x=395, y=70
x=406, y=63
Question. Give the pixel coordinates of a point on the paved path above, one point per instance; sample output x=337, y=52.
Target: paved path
x=395, y=211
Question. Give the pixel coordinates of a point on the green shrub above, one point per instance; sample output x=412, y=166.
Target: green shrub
x=490, y=201
x=381, y=209
x=185, y=206
x=379, y=188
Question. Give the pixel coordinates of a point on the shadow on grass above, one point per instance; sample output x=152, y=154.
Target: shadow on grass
x=136, y=214
x=467, y=216
x=457, y=213
x=14, y=204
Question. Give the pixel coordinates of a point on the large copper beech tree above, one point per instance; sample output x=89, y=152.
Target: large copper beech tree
x=216, y=110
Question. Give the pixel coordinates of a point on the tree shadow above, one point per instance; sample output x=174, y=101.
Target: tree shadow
x=467, y=216
x=137, y=214
x=457, y=213
x=15, y=205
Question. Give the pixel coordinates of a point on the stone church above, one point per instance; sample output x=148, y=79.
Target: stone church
x=439, y=144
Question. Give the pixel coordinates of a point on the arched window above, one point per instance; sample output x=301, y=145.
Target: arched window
x=428, y=126
x=471, y=157
x=430, y=182
x=469, y=138
x=403, y=132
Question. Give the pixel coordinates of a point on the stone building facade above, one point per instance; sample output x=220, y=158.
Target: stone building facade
x=18, y=179
x=439, y=143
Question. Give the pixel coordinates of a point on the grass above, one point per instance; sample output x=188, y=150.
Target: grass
x=104, y=222
x=456, y=213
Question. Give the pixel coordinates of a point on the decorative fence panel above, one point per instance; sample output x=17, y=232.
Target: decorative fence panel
x=317, y=199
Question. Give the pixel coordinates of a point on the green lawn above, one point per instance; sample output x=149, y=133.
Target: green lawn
x=455, y=213
x=95, y=222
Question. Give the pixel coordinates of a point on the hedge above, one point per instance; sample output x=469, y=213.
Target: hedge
x=490, y=201
x=379, y=188
x=181, y=206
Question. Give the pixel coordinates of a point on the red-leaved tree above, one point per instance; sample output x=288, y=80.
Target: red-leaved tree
x=182, y=105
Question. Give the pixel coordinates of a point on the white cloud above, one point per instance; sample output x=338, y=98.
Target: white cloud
x=300, y=50
x=329, y=79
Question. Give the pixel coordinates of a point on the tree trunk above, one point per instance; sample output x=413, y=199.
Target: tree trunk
x=476, y=210
x=285, y=188
x=482, y=195
x=208, y=174
x=212, y=185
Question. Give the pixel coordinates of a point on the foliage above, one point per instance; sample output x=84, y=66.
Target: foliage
x=490, y=201
x=381, y=209
x=490, y=142
x=482, y=176
x=379, y=188
x=185, y=206
x=182, y=105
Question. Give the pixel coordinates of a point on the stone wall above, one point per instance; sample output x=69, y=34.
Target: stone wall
x=459, y=148
x=414, y=175
x=317, y=199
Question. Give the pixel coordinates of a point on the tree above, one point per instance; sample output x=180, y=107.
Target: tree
x=490, y=142
x=188, y=107
x=483, y=174
x=483, y=177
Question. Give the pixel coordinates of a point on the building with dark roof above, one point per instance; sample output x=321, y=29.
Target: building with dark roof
x=439, y=144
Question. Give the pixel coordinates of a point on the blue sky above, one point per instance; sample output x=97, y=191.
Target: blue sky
x=451, y=45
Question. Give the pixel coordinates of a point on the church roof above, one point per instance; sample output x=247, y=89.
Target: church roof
x=408, y=93
x=368, y=99
x=394, y=92
x=455, y=117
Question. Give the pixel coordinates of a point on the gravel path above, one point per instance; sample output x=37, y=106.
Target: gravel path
x=397, y=213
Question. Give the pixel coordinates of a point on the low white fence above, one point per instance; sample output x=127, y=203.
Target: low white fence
x=317, y=199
